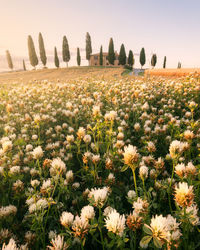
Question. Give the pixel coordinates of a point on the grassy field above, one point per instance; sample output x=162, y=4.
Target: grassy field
x=91, y=159
x=173, y=72
x=62, y=74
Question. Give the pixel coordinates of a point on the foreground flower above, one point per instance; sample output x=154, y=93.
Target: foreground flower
x=184, y=195
x=115, y=223
x=134, y=221
x=162, y=230
x=87, y=212
x=58, y=244
x=80, y=227
x=66, y=219
x=131, y=155
x=11, y=245
x=175, y=149
x=37, y=153
x=98, y=197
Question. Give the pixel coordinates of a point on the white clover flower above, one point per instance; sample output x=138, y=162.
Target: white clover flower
x=131, y=155
x=143, y=172
x=35, y=183
x=108, y=210
x=87, y=212
x=7, y=146
x=131, y=194
x=58, y=243
x=66, y=219
x=37, y=153
x=11, y=245
x=57, y=166
x=87, y=139
x=69, y=175
x=115, y=223
x=99, y=196
x=15, y=170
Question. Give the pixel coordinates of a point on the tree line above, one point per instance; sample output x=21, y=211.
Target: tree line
x=122, y=58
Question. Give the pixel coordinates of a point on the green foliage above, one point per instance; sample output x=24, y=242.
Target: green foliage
x=164, y=63
x=122, y=55
x=111, y=52
x=88, y=47
x=24, y=65
x=9, y=59
x=65, y=50
x=32, y=53
x=78, y=58
x=56, y=59
x=142, y=57
x=126, y=66
x=131, y=58
x=42, y=50
x=153, y=60
x=101, y=56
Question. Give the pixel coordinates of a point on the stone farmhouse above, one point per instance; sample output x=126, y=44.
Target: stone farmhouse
x=94, y=59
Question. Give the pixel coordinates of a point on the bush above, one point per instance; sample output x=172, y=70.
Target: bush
x=126, y=66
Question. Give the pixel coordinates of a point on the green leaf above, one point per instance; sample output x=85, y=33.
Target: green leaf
x=157, y=242
x=111, y=235
x=147, y=230
x=124, y=168
x=126, y=240
x=145, y=240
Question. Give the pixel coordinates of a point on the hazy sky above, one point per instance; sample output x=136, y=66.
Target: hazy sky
x=164, y=27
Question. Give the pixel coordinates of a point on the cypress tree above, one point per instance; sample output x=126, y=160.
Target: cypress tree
x=130, y=58
x=56, y=59
x=24, y=65
x=122, y=55
x=142, y=57
x=32, y=54
x=153, y=60
x=164, y=63
x=101, y=56
x=9, y=60
x=78, y=57
x=65, y=51
x=111, y=52
x=88, y=47
x=42, y=50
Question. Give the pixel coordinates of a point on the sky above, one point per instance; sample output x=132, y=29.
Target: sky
x=166, y=27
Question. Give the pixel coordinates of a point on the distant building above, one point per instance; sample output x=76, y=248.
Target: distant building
x=94, y=59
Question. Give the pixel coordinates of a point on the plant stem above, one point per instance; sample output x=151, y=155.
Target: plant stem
x=101, y=235
x=135, y=183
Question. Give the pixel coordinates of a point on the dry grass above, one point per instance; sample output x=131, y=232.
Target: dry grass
x=172, y=72
x=62, y=74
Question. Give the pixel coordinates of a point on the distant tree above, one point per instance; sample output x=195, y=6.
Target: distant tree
x=65, y=51
x=88, y=47
x=122, y=55
x=78, y=57
x=142, y=57
x=179, y=65
x=153, y=60
x=56, y=59
x=164, y=63
x=111, y=52
x=101, y=56
x=42, y=50
x=24, y=65
x=9, y=60
x=32, y=54
x=130, y=58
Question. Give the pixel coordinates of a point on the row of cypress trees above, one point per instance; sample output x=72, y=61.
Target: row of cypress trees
x=123, y=60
